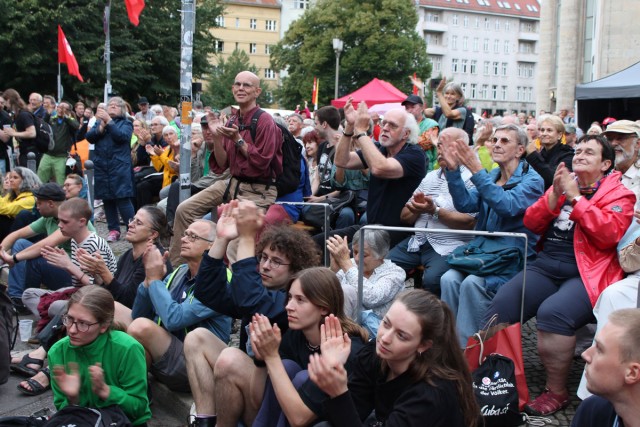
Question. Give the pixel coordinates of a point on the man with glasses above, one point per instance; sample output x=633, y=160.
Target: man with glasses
x=257, y=286
x=156, y=125
x=253, y=165
x=165, y=308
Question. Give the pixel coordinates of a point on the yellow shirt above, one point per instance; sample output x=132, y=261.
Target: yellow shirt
x=162, y=161
x=11, y=208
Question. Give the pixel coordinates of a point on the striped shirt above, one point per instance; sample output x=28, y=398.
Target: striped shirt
x=93, y=244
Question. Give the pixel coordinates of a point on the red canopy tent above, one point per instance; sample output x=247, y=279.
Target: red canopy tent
x=375, y=92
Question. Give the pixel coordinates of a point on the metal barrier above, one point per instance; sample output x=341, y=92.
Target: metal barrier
x=436, y=231
x=326, y=223
x=31, y=162
x=88, y=174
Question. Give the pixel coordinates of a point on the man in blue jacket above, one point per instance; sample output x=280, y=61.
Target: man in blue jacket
x=164, y=311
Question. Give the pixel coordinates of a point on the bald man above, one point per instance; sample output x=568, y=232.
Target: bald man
x=253, y=165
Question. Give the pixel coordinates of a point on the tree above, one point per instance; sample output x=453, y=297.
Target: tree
x=145, y=60
x=218, y=92
x=379, y=41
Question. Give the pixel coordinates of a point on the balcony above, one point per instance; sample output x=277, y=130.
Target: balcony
x=528, y=36
x=527, y=57
x=437, y=49
x=435, y=27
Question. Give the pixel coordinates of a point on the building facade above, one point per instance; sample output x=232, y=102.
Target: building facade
x=582, y=41
x=489, y=47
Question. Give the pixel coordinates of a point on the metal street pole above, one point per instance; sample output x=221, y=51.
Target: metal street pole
x=107, y=50
x=188, y=22
x=337, y=47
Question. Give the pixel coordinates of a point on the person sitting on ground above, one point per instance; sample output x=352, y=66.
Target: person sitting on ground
x=164, y=160
x=383, y=280
x=501, y=197
x=283, y=390
x=96, y=366
x=613, y=374
x=553, y=151
x=413, y=373
x=581, y=222
x=22, y=183
x=257, y=286
x=431, y=206
x=165, y=308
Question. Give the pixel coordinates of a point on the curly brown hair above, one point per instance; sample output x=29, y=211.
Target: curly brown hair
x=296, y=245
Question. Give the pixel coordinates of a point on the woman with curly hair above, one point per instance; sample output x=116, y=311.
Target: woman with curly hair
x=22, y=182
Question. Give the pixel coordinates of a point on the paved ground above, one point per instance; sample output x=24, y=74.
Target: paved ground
x=164, y=411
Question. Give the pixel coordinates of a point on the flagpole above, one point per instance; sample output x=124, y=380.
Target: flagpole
x=107, y=49
x=59, y=84
x=187, y=32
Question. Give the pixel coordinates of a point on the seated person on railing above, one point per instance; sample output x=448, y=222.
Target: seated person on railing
x=581, y=222
x=431, y=206
x=501, y=198
x=382, y=279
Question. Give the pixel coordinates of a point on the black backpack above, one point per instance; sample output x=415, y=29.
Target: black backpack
x=468, y=126
x=289, y=180
x=44, y=135
x=79, y=416
x=8, y=333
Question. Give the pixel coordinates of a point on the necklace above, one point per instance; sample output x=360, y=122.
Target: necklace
x=312, y=348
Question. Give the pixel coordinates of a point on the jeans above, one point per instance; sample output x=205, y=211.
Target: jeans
x=111, y=209
x=346, y=218
x=435, y=265
x=468, y=298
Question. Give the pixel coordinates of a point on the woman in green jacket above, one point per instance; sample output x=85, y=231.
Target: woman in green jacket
x=95, y=366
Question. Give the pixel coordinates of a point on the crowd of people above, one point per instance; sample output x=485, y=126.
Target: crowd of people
x=241, y=247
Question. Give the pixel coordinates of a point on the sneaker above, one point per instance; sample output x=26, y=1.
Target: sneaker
x=114, y=236
x=547, y=403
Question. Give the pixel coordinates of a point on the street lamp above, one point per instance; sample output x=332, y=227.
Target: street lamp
x=337, y=47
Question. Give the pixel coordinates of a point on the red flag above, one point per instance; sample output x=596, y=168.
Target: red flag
x=314, y=92
x=134, y=9
x=65, y=55
x=415, y=87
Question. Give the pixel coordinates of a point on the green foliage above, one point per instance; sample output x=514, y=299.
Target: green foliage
x=218, y=93
x=145, y=60
x=379, y=41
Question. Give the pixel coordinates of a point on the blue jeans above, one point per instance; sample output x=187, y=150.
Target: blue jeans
x=346, y=218
x=111, y=209
x=468, y=298
x=270, y=413
x=435, y=265
x=35, y=272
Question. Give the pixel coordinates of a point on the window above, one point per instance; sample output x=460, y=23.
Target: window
x=252, y=48
x=477, y=23
x=476, y=44
x=503, y=93
x=494, y=92
x=253, y=23
x=301, y=4
x=497, y=24
x=465, y=43
x=437, y=63
x=454, y=65
x=473, y=90
x=454, y=19
x=218, y=46
x=524, y=47
x=237, y=22
x=485, y=45
x=270, y=25
x=486, y=67
x=269, y=73
x=267, y=49
x=507, y=25
x=485, y=92
x=496, y=46
x=433, y=17
x=463, y=86
x=465, y=66
x=487, y=23
x=465, y=21
x=454, y=42
x=432, y=39
x=496, y=66
x=527, y=27
x=506, y=46
x=529, y=94
x=504, y=68
x=474, y=66
x=220, y=21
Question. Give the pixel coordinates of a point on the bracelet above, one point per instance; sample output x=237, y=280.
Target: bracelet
x=348, y=135
x=360, y=135
x=15, y=258
x=82, y=277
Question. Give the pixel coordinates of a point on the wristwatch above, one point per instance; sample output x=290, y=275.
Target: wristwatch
x=239, y=143
x=436, y=213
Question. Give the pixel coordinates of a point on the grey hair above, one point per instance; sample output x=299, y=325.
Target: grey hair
x=169, y=128
x=411, y=125
x=279, y=120
x=522, y=138
x=212, y=228
x=455, y=87
x=162, y=119
x=120, y=102
x=378, y=242
x=30, y=180
x=156, y=108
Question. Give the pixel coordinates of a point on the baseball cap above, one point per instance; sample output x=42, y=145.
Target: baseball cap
x=623, y=126
x=143, y=100
x=608, y=121
x=569, y=128
x=50, y=191
x=413, y=99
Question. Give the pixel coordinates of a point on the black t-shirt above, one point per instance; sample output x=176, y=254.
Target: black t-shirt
x=23, y=121
x=595, y=412
x=559, y=236
x=325, y=158
x=5, y=119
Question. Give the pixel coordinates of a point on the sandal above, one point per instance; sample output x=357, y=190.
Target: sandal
x=35, y=387
x=547, y=403
x=22, y=368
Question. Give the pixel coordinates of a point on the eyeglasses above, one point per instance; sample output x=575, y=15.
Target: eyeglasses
x=263, y=258
x=392, y=126
x=243, y=85
x=503, y=140
x=193, y=237
x=81, y=326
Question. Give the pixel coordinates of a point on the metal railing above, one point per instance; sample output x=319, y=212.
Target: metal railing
x=88, y=175
x=436, y=231
x=326, y=207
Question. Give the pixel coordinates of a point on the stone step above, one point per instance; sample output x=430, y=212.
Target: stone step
x=175, y=403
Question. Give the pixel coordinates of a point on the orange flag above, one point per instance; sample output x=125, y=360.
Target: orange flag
x=65, y=55
x=314, y=93
x=134, y=9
